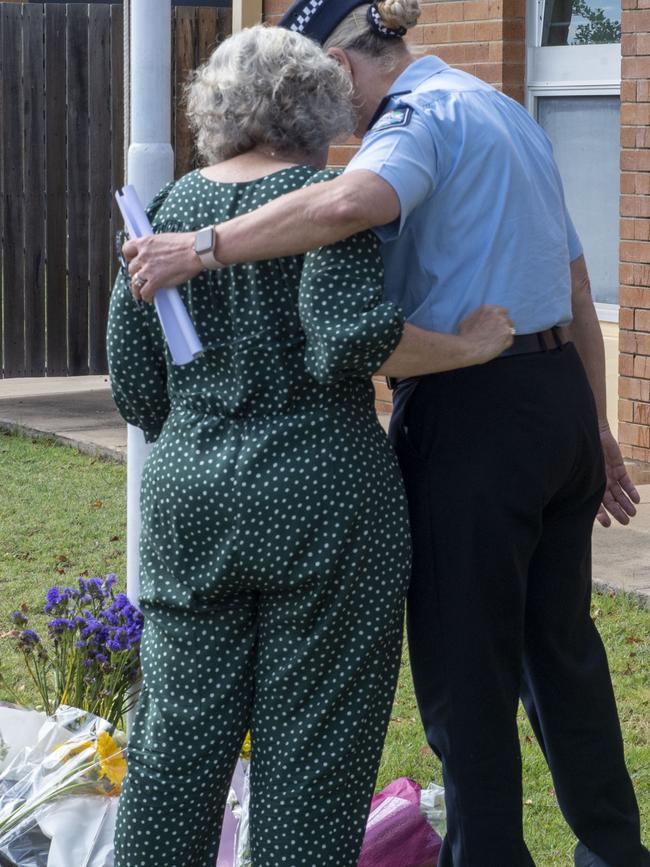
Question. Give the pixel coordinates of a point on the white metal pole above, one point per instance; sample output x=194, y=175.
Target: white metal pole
x=150, y=167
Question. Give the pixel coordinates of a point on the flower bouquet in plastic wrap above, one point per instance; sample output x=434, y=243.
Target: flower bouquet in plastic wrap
x=58, y=797
x=61, y=769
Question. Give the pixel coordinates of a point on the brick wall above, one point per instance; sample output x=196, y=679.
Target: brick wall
x=634, y=367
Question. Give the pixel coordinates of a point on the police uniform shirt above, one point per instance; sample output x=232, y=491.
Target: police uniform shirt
x=483, y=218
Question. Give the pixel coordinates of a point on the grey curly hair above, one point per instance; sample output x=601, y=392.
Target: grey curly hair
x=269, y=86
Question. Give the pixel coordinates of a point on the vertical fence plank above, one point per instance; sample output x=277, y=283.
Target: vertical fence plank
x=117, y=125
x=224, y=24
x=34, y=185
x=208, y=32
x=77, y=186
x=55, y=186
x=13, y=264
x=184, y=61
x=99, y=81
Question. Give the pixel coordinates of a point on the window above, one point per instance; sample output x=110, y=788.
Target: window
x=573, y=87
x=581, y=22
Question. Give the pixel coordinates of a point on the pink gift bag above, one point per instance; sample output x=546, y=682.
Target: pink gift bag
x=397, y=834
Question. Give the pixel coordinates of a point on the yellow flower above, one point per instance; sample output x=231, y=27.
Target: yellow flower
x=111, y=760
x=246, y=747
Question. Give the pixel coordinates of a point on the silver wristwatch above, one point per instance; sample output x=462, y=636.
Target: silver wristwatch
x=204, y=245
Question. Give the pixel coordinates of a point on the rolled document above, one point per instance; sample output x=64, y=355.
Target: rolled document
x=179, y=331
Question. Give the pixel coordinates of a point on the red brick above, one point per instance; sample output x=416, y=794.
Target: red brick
x=626, y=229
x=476, y=10
x=634, y=434
x=635, y=251
x=642, y=320
x=636, y=22
x=635, y=160
x=625, y=410
x=626, y=365
x=449, y=11
x=641, y=367
x=633, y=113
x=626, y=318
x=641, y=230
x=640, y=413
x=635, y=389
x=635, y=296
x=628, y=91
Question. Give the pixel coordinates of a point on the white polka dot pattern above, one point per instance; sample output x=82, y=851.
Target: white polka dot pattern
x=275, y=547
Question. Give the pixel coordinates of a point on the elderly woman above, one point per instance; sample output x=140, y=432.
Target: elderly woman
x=275, y=545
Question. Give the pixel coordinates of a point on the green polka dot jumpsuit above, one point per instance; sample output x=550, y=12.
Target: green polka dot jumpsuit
x=275, y=546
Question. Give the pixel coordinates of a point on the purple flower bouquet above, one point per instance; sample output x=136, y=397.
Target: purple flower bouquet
x=90, y=658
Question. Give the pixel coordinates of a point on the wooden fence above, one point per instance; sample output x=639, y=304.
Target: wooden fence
x=61, y=158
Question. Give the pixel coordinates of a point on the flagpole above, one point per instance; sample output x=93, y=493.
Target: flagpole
x=150, y=166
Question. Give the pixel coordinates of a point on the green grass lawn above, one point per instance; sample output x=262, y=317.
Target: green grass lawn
x=63, y=513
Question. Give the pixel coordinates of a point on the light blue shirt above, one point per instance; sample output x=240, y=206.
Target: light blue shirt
x=483, y=218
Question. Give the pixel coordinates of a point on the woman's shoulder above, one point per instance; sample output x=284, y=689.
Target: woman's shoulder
x=318, y=176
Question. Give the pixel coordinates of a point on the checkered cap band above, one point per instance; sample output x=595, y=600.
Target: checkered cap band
x=305, y=16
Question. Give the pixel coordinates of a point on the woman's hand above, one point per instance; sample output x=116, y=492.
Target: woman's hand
x=620, y=494
x=161, y=262
x=489, y=331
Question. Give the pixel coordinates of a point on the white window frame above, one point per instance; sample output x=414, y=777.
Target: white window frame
x=569, y=70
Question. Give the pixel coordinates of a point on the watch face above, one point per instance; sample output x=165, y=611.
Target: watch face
x=203, y=240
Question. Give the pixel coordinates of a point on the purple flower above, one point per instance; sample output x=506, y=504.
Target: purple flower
x=58, y=625
x=121, y=601
x=53, y=599
x=110, y=581
x=83, y=584
x=19, y=618
x=95, y=588
x=28, y=638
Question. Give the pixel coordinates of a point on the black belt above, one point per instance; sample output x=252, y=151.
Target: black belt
x=522, y=344
x=540, y=341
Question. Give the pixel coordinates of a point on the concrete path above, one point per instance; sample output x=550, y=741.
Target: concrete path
x=76, y=410
x=79, y=411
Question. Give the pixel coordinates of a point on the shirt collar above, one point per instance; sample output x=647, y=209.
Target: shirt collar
x=414, y=75
x=417, y=73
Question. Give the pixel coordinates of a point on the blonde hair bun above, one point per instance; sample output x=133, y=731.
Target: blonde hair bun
x=399, y=13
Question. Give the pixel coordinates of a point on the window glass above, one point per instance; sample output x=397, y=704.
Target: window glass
x=581, y=22
x=584, y=131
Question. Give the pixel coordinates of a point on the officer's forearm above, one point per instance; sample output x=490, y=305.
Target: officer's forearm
x=309, y=218
x=588, y=338
x=420, y=352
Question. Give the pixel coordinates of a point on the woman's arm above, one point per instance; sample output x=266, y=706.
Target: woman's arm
x=482, y=336
x=312, y=217
x=136, y=362
x=620, y=495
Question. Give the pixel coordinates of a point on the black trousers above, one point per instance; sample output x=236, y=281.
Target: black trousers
x=503, y=470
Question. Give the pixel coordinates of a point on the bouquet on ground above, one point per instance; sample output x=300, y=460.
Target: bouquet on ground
x=61, y=769
x=75, y=753
x=90, y=658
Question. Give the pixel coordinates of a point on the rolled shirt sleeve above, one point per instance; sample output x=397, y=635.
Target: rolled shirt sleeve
x=573, y=240
x=404, y=155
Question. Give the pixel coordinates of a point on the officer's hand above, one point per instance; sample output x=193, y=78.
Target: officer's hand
x=620, y=494
x=161, y=261
x=489, y=329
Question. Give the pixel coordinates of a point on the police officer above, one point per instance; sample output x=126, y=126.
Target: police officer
x=506, y=465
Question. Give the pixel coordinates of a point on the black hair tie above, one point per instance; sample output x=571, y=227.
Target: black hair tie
x=380, y=28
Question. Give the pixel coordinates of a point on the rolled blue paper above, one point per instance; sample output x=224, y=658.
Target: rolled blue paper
x=178, y=328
